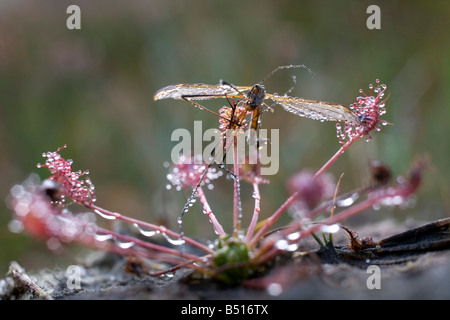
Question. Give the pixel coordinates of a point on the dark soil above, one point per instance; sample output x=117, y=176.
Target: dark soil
x=413, y=265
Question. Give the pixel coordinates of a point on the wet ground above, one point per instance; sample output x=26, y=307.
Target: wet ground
x=411, y=265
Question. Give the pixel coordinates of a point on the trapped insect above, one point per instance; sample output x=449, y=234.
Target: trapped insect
x=255, y=96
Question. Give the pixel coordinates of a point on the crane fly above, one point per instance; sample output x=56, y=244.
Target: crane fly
x=255, y=96
x=252, y=98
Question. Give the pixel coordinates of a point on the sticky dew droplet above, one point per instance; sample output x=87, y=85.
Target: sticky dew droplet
x=294, y=236
x=15, y=226
x=168, y=275
x=146, y=233
x=348, y=201
x=103, y=237
x=284, y=245
x=125, y=245
x=175, y=242
x=274, y=289
x=104, y=215
x=330, y=228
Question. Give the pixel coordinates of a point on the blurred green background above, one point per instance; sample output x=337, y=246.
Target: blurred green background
x=92, y=90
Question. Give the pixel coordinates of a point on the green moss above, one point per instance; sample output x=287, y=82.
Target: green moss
x=233, y=256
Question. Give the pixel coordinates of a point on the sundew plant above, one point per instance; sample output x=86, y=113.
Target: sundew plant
x=237, y=256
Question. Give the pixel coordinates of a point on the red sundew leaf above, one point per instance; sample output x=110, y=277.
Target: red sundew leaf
x=368, y=109
x=81, y=191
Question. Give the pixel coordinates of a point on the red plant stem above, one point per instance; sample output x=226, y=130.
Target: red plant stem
x=334, y=158
x=254, y=221
x=113, y=248
x=161, y=229
x=236, y=193
x=188, y=264
x=274, y=217
x=351, y=211
x=207, y=209
x=153, y=251
x=148, y=245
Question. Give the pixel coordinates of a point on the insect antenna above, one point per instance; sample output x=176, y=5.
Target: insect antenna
x=294, y=81
x=270, y=108
x=291, y=66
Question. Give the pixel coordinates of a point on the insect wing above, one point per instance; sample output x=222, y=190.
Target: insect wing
x=198, y=91
x=316, y=110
